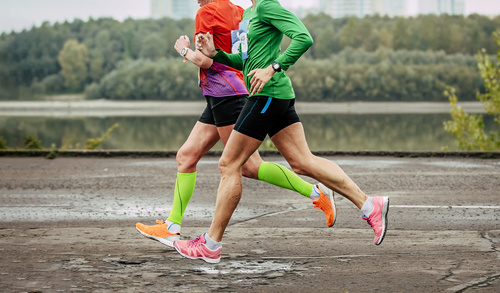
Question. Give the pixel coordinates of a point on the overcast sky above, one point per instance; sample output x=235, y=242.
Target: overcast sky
x=23, y=14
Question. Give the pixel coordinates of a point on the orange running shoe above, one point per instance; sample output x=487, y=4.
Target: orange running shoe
x=326, y=203
x=158, y=232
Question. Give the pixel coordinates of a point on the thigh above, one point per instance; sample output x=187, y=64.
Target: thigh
x=225, y=132
x=238, y=149
x=201, y=139
x=291, y=143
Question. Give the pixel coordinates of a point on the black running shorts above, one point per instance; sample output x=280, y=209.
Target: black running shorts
x=222, y=111
x=263, y=116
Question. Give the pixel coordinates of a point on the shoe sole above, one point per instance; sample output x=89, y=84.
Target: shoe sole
x=385, y=212
x=205, y=259
x=159, y=239
x=332, y=201
x=334, y=209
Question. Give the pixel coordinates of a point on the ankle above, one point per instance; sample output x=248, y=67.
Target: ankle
x=173, y=227
x=211, y=244
x=367, y=207
x=314, y=193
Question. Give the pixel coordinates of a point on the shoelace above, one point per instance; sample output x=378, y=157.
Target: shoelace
x=368, y=220
x=317, y=204
x=159, y=222
x=195, y=242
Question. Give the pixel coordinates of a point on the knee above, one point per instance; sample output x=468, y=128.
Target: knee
x=223, y=165
x=186, y=160
x=228, y=166
x=250, y=171
x=300, y=167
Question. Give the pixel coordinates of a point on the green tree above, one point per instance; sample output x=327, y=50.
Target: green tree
x=3, y=145
x=33, y=143
x=401, y=34
x=102, y=52
x=93, y=143
x=153, y=47
x=424, y=34
x=96, y=66
x=73, y=59
x=385, y=38
x=468, y=129
x=367, y=37
x=327, y=41
x=348, y=33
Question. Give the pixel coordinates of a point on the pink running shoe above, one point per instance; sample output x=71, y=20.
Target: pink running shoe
x=196, y=249
x=378, y=218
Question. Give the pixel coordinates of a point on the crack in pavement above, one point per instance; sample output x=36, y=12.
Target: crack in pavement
x=474, y=283
x=491, y=239
x=482, y=281
x=450, y=271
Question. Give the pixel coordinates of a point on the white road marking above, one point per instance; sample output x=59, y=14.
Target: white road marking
x=442, y=207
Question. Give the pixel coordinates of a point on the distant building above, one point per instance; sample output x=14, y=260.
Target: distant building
x=389, y=7
x=341, y=8
x=441, y=7
x=175, y=9
x=360, y=8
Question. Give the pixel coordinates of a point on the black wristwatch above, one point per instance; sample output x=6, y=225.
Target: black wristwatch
x=276, y=66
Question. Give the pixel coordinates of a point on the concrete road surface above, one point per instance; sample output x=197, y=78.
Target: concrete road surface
x=67, y=225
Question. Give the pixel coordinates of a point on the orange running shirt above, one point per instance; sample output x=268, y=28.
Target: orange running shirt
x=219, y=18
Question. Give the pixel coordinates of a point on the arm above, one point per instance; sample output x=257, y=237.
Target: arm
x=287, y=23
x=205, y=44
x=195, y=57
x=291, y=26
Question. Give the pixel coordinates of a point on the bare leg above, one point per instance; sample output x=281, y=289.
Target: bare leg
x=237, y=151
x=251, y=167
x=292, y=144
x=201, y=139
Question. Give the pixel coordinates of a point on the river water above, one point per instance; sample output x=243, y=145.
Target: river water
x=342, y=132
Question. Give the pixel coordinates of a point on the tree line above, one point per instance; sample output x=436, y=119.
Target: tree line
x=372, y=58
x=383, y=75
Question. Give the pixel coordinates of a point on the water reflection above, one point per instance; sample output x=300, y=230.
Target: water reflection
x=405, y=132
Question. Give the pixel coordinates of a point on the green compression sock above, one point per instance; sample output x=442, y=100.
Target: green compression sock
x=184, y=188
x=283, y=177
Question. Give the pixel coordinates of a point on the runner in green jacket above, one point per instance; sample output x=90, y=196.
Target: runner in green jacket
x=270, y=111
x=264, y=46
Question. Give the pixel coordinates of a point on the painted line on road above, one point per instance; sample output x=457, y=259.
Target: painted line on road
x=442, y=207
x=373, y=255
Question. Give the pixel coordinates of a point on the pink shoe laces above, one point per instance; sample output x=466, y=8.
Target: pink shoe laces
x=368, y=220
x=195, y=242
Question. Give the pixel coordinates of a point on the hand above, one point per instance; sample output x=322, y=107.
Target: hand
x=182, y=42
x=205, y=44
x=260, y=78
